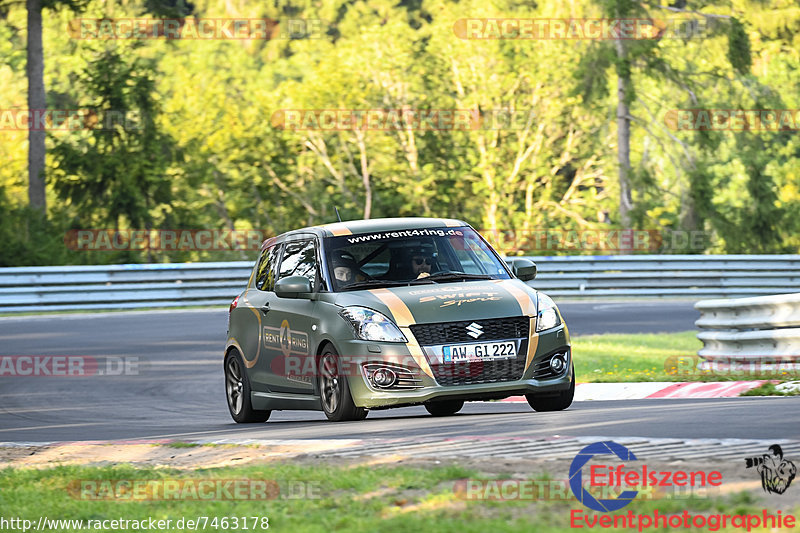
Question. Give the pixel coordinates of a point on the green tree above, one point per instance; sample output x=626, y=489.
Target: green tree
x=116, y=172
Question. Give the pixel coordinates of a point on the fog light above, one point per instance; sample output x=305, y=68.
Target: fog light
x=383, y=377
x=558, y=363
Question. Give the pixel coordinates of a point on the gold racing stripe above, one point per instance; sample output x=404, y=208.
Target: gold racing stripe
x=523, y=299
x=337, y=229
x=533, y=343
x=252, y=363
x=400, y=311
x=251, y=281
x=529, y=310
x=416, y=351
x=403, y=318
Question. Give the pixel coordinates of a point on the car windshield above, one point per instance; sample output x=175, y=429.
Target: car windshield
x=415, y=256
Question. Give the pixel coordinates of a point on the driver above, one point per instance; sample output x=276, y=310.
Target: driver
x=345, y=268
x=422, y=258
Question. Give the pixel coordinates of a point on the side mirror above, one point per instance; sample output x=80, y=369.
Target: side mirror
x=293, y=287
x=524, y=269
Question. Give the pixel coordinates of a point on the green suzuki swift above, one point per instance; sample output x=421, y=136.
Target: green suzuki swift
x=373, y=314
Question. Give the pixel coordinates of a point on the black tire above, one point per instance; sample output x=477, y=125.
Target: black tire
x=553, y=402
x=334, y=390
x=444, y=407
x=237, y=391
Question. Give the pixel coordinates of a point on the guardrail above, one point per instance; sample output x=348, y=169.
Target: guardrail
x=121, y=286
x=657, y=276
x=750, y=329
x=38, y=289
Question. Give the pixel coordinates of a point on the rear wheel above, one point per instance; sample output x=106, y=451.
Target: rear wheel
x=557, y=402
x=237, y=391
x=337, y=402
x=444, y=407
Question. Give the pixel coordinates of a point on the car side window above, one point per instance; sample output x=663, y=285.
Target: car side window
x=300, y=259
x=265, y=276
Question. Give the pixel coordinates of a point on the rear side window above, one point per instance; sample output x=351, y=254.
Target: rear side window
x=300, y=259
x=265, y=276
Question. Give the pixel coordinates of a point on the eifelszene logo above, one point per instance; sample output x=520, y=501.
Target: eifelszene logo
x=576, y=476
x=613, y=479
x=776, y=472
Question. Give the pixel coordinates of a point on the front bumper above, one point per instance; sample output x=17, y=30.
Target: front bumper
x=366, y=395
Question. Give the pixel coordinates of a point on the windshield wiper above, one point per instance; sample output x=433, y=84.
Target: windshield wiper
x=372, y=283
x=455, y=276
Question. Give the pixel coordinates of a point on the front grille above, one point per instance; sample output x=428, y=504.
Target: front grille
x=456, y=332
x=477, y=372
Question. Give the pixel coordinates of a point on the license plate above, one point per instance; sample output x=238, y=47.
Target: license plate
x=489, y=350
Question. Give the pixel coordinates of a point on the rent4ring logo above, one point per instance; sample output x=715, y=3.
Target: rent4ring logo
x=608, y=478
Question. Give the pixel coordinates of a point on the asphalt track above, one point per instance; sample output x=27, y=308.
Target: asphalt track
x=175, y=388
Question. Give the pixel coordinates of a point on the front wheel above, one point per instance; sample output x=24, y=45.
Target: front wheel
x=557, y=402
x=337, y=402
x=237, y=391
x=444, y=407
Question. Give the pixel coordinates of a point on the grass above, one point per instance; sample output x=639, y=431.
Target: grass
x=633, y=357
x=651, y=357
x=353, y=499
x=769, y=389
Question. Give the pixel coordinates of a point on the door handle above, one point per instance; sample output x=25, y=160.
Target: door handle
x=265, y=308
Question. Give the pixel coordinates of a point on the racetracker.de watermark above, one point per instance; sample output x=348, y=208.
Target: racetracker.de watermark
x=401, y=119
x=68, y=365
x=236, y=29
x=106, y=240
x=733, y=119
x=183, y=489
x=559, y=490
x=304, y=367
x=504, y=241
x=782, y=367
x=596, y=240
x=68, y=119
x=593, y=29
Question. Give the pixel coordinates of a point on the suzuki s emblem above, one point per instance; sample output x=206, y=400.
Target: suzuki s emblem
x=474, y=330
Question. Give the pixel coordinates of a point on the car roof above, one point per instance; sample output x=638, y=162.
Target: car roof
x=352, y=227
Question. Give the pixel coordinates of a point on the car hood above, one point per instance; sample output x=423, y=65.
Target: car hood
x=447, y=302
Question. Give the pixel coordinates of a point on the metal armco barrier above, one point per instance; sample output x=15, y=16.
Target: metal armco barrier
x=36, y=289
x=121, y=286
x=657, y=276
x=766, y=327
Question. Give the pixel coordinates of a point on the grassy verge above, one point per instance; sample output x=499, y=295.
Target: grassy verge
x=770, y=389
x=319, y=498
x=633, y=357
x=649, y=357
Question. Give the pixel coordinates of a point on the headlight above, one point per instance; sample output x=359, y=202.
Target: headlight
x=548, y=313
x=371, y=325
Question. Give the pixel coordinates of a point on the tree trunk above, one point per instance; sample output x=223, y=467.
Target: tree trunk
x=365, y=177
x=623, y=135
x=36, y=104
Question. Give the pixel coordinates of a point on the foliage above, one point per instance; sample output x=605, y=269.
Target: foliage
x=205, y=150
